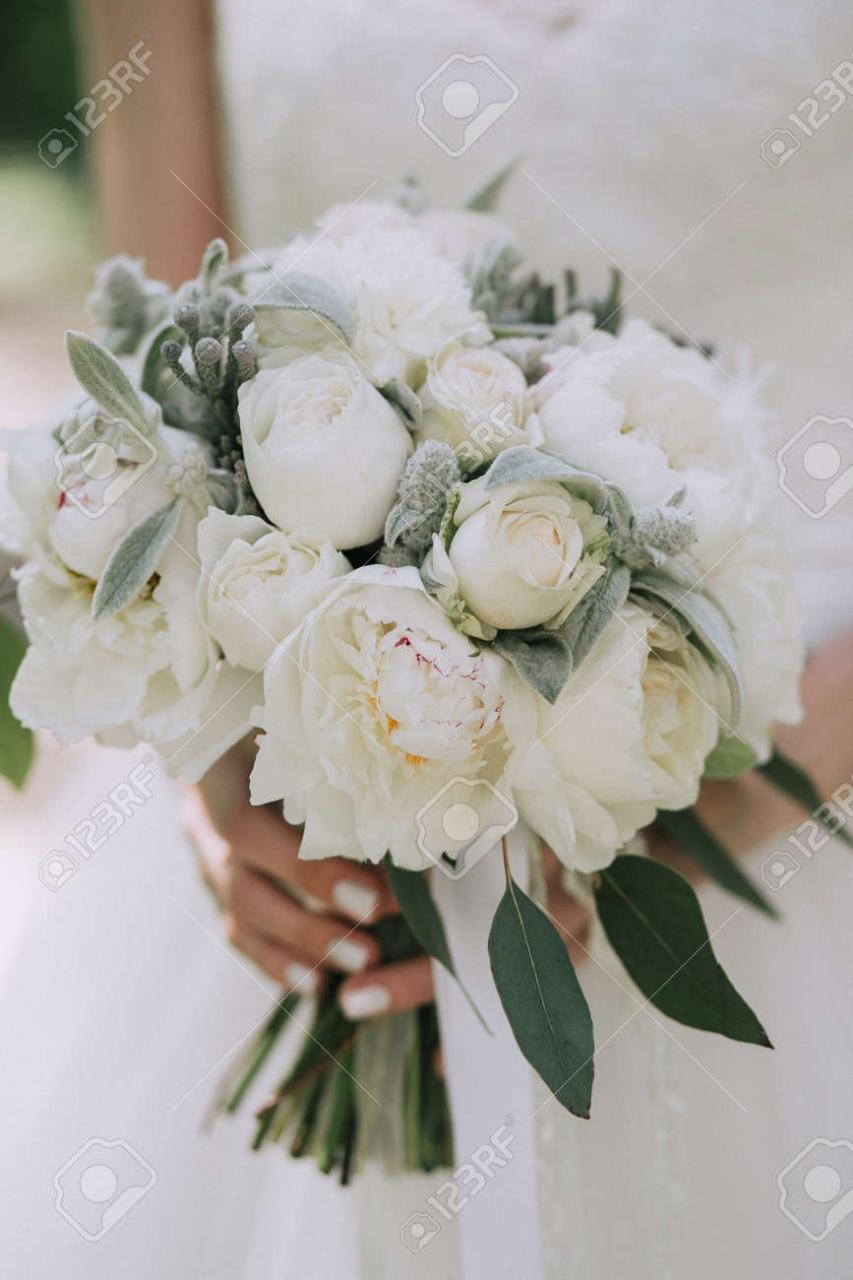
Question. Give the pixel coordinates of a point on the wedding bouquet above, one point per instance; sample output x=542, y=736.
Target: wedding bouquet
x=470, y=551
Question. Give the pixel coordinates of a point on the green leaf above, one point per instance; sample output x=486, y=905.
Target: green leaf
x=295, y=291
x=214, y=259
x=694, y=838
x=707, y=622
x=411, y=890
x=654, y=923
x=16, y=742
x=101, y=375
x=595, y=611
x=542, y=999
x=795, y=783
x=134, y=560
x=730, y=757
x=405, y=401
x=522, y=463
x=542, y=658
x=154, y=364
x=486, y=199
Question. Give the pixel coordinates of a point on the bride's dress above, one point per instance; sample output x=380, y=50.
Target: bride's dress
x=640, y=129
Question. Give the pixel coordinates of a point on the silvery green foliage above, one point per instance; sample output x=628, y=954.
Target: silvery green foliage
x=405, y=401
x=124, y=304
x=133, y=561
x=102, y=377
x=595, y=611
x=298, y=291
x=425, y=486
x=487, y=198
x=492, y=278
x=647, y=538
x=543, y=658
x=675, y=594
x=522, y=463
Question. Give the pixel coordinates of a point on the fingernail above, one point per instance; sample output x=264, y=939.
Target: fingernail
x=355, y=899
x=298, y=977
x=365, y=1002
x=348, y=955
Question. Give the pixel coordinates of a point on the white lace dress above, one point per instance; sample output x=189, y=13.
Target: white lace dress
x=640, y=129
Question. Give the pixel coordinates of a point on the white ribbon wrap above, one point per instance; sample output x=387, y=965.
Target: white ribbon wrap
x=489, y=1081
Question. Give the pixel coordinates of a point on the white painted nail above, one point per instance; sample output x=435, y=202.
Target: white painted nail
x=354, y=899
x=348, y=955
x=298, y=977
x=365, y=1002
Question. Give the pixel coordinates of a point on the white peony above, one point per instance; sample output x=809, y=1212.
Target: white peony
x=258, y=583
x=628, y=736
x=464, y=234
x=523, y=555
x=474, y=399
x=656, y=419
x=753, y=585
x=324, y=450
x=406, y=301
x=373, y=709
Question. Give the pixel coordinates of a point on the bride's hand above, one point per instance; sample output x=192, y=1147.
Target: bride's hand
x=298, y=919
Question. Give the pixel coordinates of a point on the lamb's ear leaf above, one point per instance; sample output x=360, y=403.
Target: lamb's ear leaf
x=595, y=611
x=654, y=923
x=411, y=889
x=298, y=291
x=706, y=621
x=134, y=560
x=795, y=783
x=213, y=261
x=487, y=198
x=700, y=844
x=542, y=658
x=522, y=463
x=153, y=363
x=542, y=999
x=102, y=377
x=16, y=742
x=730, y=757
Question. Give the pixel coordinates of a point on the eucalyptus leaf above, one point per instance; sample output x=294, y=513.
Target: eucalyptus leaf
x=295, y=291
x=522, y=463
x=795, y=783
x=16, y=742
x=542, y=999
x=101, y=375
x=654, y=923
x=487, y=198
x=543, y=658
x=730, y=757
x=134, y=560
x=595, y=611
x=405, y=401
x=411, y=889
x=693, y=837
x=707, y=622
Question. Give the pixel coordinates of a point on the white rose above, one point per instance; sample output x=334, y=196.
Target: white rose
x=258, y=583
x=148, y=671
x=323, y=449
x=655, y=419
x=373, y=708
x=628, y=736
x=343, y=220
x=407, y=302
x=474, y=399
x=524, y=555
